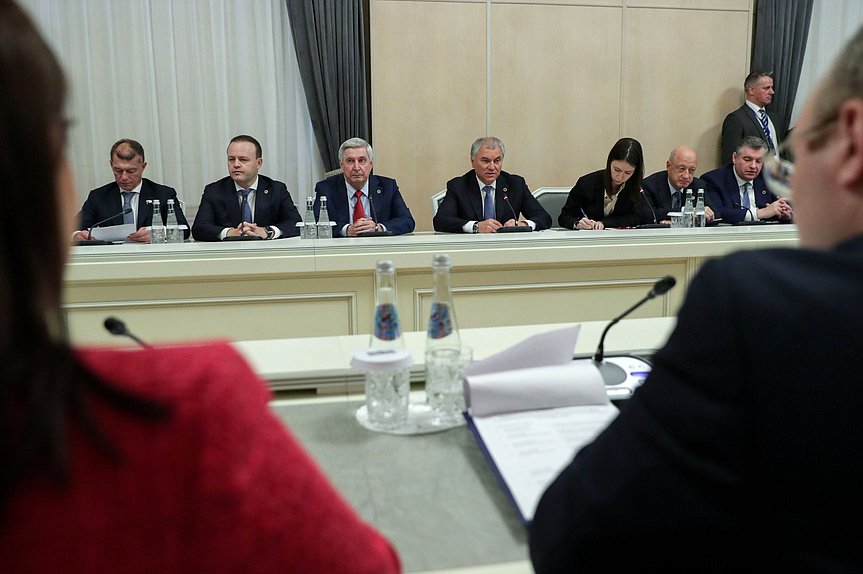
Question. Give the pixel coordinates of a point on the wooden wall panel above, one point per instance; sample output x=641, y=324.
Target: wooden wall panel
x=555, y=93
x=683, y=73
x=428, y=94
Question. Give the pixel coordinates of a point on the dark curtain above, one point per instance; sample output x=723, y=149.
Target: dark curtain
x=781, y=31
x=329, y=38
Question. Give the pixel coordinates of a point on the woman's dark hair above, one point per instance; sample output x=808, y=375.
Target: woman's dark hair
x=628, y=150
x=43, y=387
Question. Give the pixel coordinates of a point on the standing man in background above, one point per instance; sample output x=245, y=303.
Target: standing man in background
x=129, y=190
x=245, y=204
x=751, y=119
x=360, y=202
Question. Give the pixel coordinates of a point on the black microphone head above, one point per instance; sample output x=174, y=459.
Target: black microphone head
x=662, y=286
x=127, y=210
x=115, y=326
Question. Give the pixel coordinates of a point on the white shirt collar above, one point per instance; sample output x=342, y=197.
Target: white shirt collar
x=482, y=185
x=253, y=187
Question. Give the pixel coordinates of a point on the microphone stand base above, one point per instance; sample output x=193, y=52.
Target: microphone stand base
x=515, y=229
x=621, y=374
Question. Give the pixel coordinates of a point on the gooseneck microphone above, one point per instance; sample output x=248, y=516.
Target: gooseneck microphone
x=752, y=221
x=655, y=224
x=661, y=287
x=90, y=240
x=117, y=327
x=515, y=228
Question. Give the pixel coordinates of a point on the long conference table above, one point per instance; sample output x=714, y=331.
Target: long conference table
x=294, y=288
x=433, y=495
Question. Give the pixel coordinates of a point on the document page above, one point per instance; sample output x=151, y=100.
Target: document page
x=530, y=448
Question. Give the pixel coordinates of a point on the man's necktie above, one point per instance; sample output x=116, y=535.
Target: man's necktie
x=676, y=200
x=488, y=203
x=359, y=212
x=245, y=208
x=762, y=115
x=127, y=204
x=746, y=203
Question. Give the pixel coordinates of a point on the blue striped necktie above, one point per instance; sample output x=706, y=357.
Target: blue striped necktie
x=245, y=207
x=127, y=204
x=488, y=203
x=762, y=115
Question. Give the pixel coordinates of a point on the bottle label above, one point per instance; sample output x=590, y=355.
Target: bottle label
x=387, y=322
x=440, y=321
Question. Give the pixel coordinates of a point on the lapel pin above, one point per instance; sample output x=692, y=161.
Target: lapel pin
x=266, y=191
x=504, y=190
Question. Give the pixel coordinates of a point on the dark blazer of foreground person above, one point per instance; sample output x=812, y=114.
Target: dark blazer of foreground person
x=735, y=456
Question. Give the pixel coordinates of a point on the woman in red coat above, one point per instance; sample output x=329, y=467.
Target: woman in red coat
x=164, y=460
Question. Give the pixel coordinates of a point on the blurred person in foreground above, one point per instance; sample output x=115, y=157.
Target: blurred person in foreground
x=164, y=460
x=741, y=452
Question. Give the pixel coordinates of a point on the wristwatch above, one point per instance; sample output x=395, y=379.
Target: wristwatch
x=475, y=226
x=270, y=233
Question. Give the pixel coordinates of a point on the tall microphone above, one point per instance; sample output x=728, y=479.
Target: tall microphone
x=515, y=228
x=90, y=240
x=613, y=374
x=655, y=224
x=117, y=327
x=374, y=233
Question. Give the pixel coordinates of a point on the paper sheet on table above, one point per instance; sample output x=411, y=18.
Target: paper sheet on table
x=574, y=383
x=529, y=449
x=113, y=232
x=552, y=348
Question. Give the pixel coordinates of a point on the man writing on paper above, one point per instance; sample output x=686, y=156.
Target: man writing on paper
x=738, y=190
x=666, y=190
x=130, y=190
x=487, y=198
x=245, y=203
x=743, y=454
x=360, y=202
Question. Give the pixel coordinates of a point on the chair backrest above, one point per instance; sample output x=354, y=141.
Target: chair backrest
x=552, y=199
x=436, y=200
x=332, y=172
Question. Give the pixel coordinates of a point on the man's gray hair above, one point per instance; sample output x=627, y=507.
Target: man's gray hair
x=752, y=142
x=490, y=142
x=354, y=143
x=754, y=77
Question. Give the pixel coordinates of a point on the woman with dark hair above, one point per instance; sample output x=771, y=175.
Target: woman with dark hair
x=164, y=460
x=609, y=197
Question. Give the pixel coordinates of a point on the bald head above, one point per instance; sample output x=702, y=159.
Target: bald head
x=681, y=166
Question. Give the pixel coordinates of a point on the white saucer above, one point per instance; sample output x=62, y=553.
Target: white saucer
x=421, y=420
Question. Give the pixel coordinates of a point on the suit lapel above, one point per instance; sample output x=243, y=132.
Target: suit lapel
x=262, y=201
x=145, y=212
x=233, y=203
x=375, y=199
x=341, y=210
x=501, y=209
x=474, y=195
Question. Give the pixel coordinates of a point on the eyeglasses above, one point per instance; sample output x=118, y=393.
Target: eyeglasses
x=778, y=171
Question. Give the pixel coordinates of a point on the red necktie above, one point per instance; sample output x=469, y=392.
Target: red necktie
x=359, y=212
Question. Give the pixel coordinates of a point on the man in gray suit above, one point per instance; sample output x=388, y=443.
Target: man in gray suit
x=751, y=119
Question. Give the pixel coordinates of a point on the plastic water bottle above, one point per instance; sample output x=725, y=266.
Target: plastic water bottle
x=309, y=229
x=700, y=217
x=688, y=210
x=173, y=233
x=325, y=230
x=157, y=228
x=445, y=357
x=386, y=361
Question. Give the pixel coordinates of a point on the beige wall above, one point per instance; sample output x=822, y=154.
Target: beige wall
x=559, y=81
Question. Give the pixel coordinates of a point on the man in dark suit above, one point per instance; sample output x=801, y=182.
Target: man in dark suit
x=359, y=202
x=666, y=190
x=129, y=190
x=245, y=204
x=738, y=192
x=752, y=118
x=741, y=451
x=486, y=198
